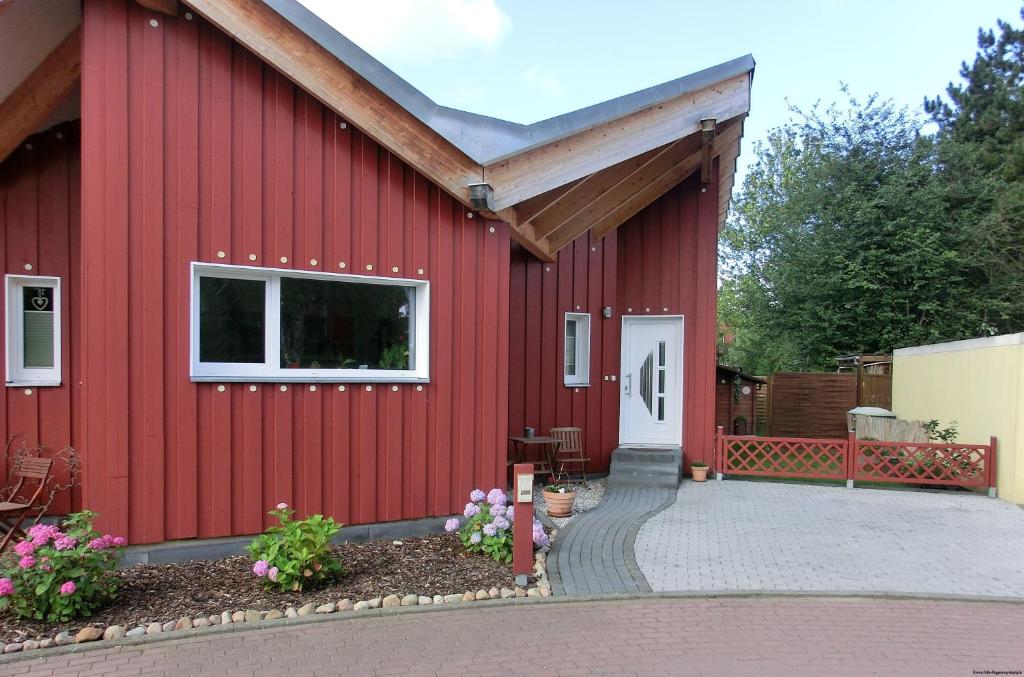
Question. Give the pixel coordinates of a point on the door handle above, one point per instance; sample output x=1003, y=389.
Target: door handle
x=629, y=385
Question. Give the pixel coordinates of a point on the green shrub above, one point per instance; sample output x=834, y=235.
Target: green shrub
x=55, y=575
x=297, y=553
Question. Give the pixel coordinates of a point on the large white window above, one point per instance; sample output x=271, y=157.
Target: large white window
x=267, y=324
x=33, y=330
x=577, y=349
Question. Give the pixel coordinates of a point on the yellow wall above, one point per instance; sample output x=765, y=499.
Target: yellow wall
x=978, y=383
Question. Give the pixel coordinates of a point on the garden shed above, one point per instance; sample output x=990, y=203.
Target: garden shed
x=246, y=263
x=736, y=400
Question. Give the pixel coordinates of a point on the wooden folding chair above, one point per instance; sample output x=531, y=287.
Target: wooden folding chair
x=22, y=500
x=569, y=458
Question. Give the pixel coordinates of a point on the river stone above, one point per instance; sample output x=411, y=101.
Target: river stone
x=136, y=632
x=184, y=623
x=423, y=599
x=468, y=597
x=438, y=599
x=238, y=617
x=533, y=592
x=451, y=599
x=545, y=592
x=410, y=600
x=345, y=605
x=202, y=622
x=273, y=615
x=482, y=594
x=392, y=601
x=63, y=639
x=375, y=603
x=494, y=593
x=290, y=612
x=361, y=605
x=169, y=626
x=215, y=619
x=326, y=608
x=88, y=634
x=113, y=632
x=507, y=593
x=307, y=609
x=13, y=647
x=519, y=592
x=225, y=618
x=30, y=645
x=251, y=616
x=154, y=628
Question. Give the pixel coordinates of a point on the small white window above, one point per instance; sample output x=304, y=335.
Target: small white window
x=268, y=324
x=33, y=330
x=577, y=349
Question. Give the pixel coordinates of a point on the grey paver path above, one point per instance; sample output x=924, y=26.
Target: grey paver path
x=594, y=553
x=718, y=636
x=737, y=535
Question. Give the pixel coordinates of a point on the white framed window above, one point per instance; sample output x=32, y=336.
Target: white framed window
x=577, y=349
x=33, y=330
x=272, y=324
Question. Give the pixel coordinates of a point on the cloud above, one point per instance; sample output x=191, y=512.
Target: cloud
x=416, y=30
x=546, y=83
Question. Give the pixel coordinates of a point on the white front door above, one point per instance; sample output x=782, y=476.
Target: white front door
x=651, y=404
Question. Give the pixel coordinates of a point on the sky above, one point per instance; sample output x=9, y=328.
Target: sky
x=527, y=60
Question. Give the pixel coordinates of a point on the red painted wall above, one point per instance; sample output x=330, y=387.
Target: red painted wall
x=662, y=261
x=39, y=216
x=191, y=146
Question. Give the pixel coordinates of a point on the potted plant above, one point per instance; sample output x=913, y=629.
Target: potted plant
x=559, y=497
x=699, y=471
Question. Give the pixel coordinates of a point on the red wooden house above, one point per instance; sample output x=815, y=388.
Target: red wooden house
x=246, y=263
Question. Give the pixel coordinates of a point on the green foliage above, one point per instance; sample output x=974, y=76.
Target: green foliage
x=296, y=554
x=395, y=356
x=856, y=232
x=473, y=535
x=948, y=434
x=57, y=575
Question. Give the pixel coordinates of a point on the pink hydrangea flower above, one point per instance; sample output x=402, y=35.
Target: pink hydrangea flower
x=99, y=543
x=272, y=573
x=64, y=542
x=25, y=548
x=119, y=541
x=41, y=534
x=68, y=588
x=27, y=562
x=261, y=567
x=282, y=506
x=6, y=587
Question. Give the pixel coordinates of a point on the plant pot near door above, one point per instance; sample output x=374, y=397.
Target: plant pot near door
x=699, y=471
x=559, y=499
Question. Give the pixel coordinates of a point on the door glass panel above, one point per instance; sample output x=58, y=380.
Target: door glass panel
x=661, y=353
x=647, y=382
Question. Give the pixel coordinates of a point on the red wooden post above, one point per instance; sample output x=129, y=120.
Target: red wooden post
x=990, y=466
x=719, y=453
x=851, y=457
x=522, y=524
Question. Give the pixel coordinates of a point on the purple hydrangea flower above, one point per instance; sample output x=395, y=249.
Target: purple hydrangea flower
x=476, y=496
x=510, y=513
x=452, y=525
x=6, y=587
x=64, y=543
x=501, y=523
x=24, y=548
x=475, y=537
x=539, y=537
x=261, y=567
x=497, y=511
x=490, y=529
x=272, y=573
x=496, y=497
x=68, y=588
x=471, y=509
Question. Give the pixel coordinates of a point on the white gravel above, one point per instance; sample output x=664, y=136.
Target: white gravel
x=587, y=497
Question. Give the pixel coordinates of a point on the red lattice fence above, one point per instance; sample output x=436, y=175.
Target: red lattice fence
x=963, y=465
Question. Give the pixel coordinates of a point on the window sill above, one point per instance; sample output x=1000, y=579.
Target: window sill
x=235, y=378
x=33, y=384
x=577, y=385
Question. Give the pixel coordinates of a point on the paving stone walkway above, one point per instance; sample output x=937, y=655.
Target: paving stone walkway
x=696, y=636
x=594, y=553
x=741, y=535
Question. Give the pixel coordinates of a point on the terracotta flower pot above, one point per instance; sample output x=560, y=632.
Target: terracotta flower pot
x=699, y=474
x=559, y=504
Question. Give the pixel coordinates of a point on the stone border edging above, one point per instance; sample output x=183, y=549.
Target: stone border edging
x=279, y=623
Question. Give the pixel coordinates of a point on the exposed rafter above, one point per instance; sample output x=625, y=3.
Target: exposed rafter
x=35, y=98
x=163, y=6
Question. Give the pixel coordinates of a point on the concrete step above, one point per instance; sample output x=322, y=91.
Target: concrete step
x=670, y=456
x=641, y=481
x=619, y=467
x=646, y=467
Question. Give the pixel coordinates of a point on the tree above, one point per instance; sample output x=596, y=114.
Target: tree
x=840, y=242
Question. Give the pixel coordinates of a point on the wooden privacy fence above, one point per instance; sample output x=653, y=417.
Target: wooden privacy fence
x=930, y=463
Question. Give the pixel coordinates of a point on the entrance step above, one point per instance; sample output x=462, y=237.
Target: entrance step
x=646, y=467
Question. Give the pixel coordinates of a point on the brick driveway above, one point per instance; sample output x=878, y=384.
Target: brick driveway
x=728, y=636
x=739, y=535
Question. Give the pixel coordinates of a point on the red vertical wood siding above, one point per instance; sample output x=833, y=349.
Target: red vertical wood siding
x=660, y=262
x=39, y=217
x=191, y=146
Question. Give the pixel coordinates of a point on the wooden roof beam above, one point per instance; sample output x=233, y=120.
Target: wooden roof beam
x=169, y=7
x=28, y=106
x=287, y=49
x=536, y=171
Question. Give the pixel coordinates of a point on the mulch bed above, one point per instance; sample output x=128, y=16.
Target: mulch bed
x=433, y=565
